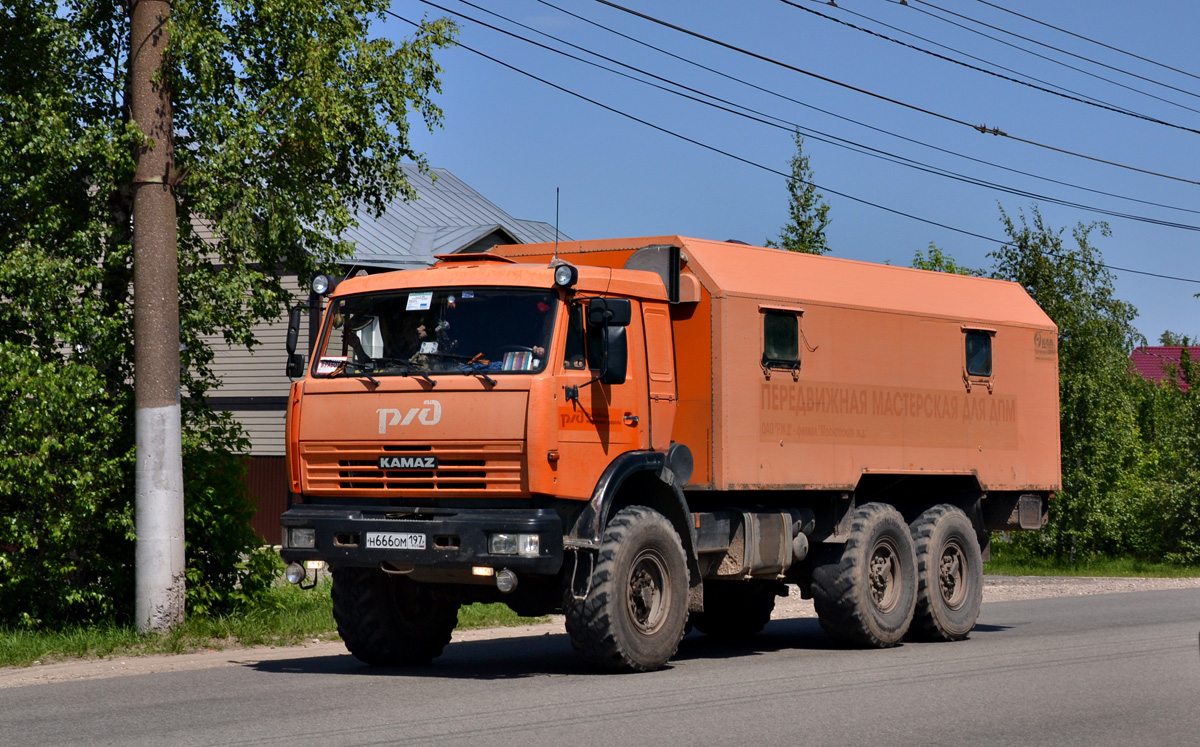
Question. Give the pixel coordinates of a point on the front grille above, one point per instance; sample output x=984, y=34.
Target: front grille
x=493, y=468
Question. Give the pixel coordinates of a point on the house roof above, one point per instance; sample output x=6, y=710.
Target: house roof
x=1152, y=362
x=447, y=217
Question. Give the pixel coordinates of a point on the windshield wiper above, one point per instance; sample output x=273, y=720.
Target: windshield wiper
x=476, y=367
x=406, y=368
x=355, y=369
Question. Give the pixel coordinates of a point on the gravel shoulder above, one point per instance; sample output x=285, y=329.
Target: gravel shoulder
x=995, y=589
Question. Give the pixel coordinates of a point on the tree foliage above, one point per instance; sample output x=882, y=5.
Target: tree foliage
x=1098, y=428
x=808, y=214
x=1174, y=338
x=289, y=117
x=936, y=260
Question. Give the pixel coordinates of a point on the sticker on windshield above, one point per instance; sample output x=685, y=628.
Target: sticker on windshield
x=329, y=363
x=429, y=347
x=419, y=301
x=468, y=294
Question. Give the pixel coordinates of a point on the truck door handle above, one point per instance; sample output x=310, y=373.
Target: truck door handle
x=630, y=419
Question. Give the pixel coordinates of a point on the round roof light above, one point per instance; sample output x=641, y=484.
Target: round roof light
x=565, y=276
x=322, y=284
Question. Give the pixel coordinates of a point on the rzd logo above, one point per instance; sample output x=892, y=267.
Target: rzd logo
x=428, y=415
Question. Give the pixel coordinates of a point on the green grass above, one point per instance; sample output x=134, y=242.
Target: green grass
x=287, y=616
x=1010, y=561
x=475, y=616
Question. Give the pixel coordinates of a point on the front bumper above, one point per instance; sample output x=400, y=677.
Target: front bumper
x=455, y=539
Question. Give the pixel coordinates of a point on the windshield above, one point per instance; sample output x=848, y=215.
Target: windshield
x=450, y=330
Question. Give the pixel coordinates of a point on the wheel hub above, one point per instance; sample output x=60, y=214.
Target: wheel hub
x=646, y=602
x=951, y=572
x=884, y=573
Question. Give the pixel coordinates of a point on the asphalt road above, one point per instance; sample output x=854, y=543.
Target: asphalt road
x=1115, y=669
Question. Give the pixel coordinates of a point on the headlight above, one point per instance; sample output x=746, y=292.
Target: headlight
x=565, y=276
x=502, y=544
x=528, y=545
x=525, y=545
x=303, y=539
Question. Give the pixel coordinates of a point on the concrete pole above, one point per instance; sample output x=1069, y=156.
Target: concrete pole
x=159, y=466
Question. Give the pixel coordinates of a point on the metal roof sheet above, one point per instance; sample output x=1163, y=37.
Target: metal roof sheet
x=1154, y=362
x=447, y=216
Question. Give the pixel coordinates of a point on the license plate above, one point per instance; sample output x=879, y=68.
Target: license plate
x=395, y=541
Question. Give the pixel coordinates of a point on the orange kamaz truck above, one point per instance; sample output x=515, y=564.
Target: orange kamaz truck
x=654, y=434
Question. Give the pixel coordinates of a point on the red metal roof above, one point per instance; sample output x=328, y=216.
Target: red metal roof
x=1151, y=362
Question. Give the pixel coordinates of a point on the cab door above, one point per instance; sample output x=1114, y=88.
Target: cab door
x=598, y=421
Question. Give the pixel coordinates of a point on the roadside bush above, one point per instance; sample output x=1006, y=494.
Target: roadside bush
x=66, y=533
x=226, y=566
x=66, y=503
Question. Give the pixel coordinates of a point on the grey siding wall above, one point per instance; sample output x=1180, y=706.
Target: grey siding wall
x=254, y=386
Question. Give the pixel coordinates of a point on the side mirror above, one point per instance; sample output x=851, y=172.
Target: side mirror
x=293, y=333
x=609, y=312
x=295, y=366
x=616, y=356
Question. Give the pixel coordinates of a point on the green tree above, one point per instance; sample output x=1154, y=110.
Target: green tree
x=938, y=261
x=1169, y=420
x=1101, y=446
x=290, y=115
x=807, y=211
x=1175, y=339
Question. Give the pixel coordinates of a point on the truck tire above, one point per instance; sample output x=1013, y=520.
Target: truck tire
x=735, y=610
x=633, y=616
x=389, y=621
x=866, y=595
x=949, y=575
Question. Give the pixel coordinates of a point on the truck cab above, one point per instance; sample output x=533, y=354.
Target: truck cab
x=451, y=428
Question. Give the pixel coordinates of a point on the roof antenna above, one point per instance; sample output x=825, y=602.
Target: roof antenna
x=555, y=223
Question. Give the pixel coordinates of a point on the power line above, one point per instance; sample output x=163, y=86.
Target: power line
x=983, y=129
x=762, y=118
x=1088, y=39
x=748, y=162
x=1063, y=93
x=859, y=123
x=1056, y=49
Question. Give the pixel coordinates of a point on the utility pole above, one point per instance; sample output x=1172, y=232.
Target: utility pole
x=159, y=466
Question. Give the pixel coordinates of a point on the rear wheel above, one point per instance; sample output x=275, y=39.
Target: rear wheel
x=735, y=610
x=390, y=621
x=949, y=574
x=866, y=595
x=633, y=616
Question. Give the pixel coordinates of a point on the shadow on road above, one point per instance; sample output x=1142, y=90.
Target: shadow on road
x=550, y=655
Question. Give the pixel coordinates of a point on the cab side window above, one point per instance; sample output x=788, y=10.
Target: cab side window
x=583, y=344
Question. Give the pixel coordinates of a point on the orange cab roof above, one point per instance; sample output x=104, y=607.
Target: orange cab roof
x=487, y=272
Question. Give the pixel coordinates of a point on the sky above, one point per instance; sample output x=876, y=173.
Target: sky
x=695, y=169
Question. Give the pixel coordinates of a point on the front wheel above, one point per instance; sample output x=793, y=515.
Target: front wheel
x=949, y=574
x=390, y=621
x=634, y=614
x=866, y=595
